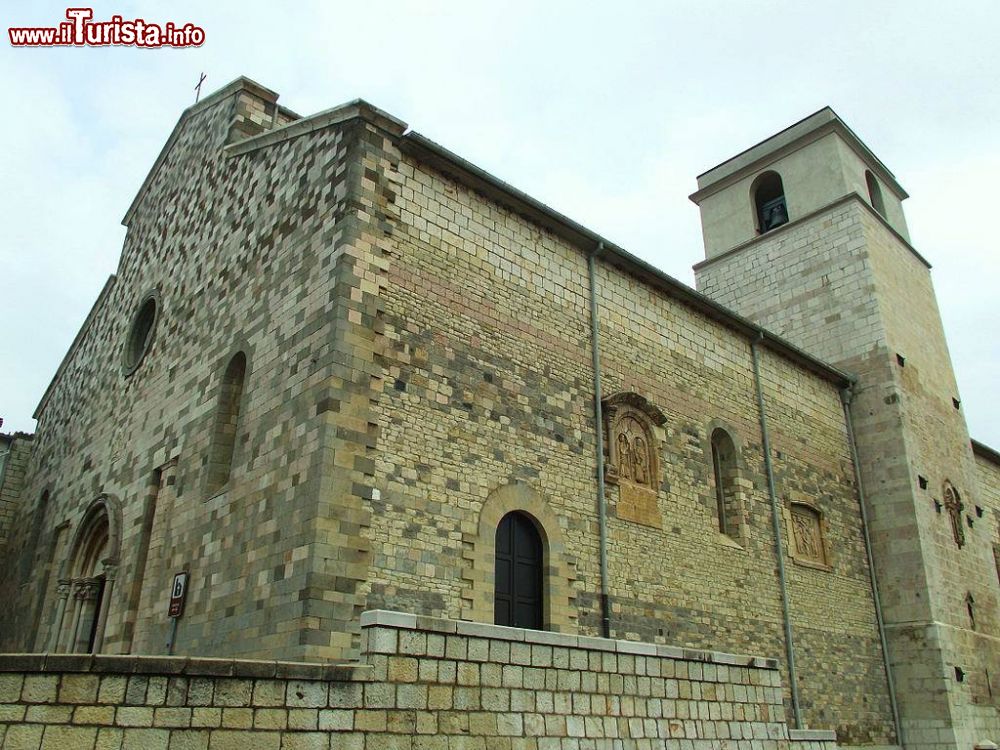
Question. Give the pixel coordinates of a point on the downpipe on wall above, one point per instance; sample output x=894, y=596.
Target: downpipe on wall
x=776, y=523
x=846, y=396
x=595, y=351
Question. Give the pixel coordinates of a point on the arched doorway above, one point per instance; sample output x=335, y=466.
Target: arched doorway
x=91, y=583
x=559, y=611
x=518, y=591
x=88, y=579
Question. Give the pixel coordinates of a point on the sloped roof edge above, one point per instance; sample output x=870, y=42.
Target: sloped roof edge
x=334, y=115
x=76, y=342
x=240, y=84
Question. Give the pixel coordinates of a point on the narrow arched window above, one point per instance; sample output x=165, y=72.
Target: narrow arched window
x=227, y=417
x=875, y=193
x=518, y=592
x=724, y=469
x=770, y=208
x=31, y=543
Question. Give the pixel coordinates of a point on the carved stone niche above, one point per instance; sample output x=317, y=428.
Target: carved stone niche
x=631, y=452
x=807, y=534
x=954, y=506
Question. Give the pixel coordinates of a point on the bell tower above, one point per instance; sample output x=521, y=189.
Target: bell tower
x=805, y=234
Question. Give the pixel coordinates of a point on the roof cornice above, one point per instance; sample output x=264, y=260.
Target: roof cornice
x=357, y=108
x=772, y=233
x=984, y=451
x=788, y=141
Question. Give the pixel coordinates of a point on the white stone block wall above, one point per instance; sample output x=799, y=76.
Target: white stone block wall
x=430, y=684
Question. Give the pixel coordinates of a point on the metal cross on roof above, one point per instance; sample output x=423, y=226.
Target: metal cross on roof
x=197, y=88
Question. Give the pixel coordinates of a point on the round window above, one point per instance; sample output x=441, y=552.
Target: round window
x=140, y=335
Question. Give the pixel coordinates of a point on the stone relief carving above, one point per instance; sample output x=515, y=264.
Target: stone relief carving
x=624, y=456
x=631, y=456
x=629, y=421
x=640, y=455
x=807, y=533
x=953, y=504
x=633, y=459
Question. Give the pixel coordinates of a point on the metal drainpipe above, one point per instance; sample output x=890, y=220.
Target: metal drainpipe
x=595, y=350
x=778, y=545
x=846, y=396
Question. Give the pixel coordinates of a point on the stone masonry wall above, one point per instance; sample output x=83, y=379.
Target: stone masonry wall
x=961, y=572
x=988, y=498
x=808, y=282
x=12, y=479
x=841, y=285
x=251, y=251
x=428, y=685
x=487, y=403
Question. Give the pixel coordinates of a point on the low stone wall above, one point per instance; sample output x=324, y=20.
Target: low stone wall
x=428, y=684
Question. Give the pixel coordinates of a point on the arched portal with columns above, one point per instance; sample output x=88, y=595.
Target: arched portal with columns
x=88, y=579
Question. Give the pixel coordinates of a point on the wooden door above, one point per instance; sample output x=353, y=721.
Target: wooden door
x=518, y=588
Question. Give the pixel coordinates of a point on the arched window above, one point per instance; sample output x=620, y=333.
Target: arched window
x=227, y=417
x=518, y=592
x=770, y=209
x=140, y=334
x=875, y=193
x=725, y=470
x=31, y=543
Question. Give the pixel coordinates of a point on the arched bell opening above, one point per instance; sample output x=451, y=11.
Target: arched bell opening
x=770, y=207
x=875, y=193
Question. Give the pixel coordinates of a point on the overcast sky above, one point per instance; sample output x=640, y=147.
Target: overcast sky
x=605, y=112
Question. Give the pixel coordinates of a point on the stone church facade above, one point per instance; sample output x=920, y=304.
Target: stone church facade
x=341, y=369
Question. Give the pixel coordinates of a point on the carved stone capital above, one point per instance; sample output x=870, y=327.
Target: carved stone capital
x=64, y=587
x=110, y=570
x=87, y=588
